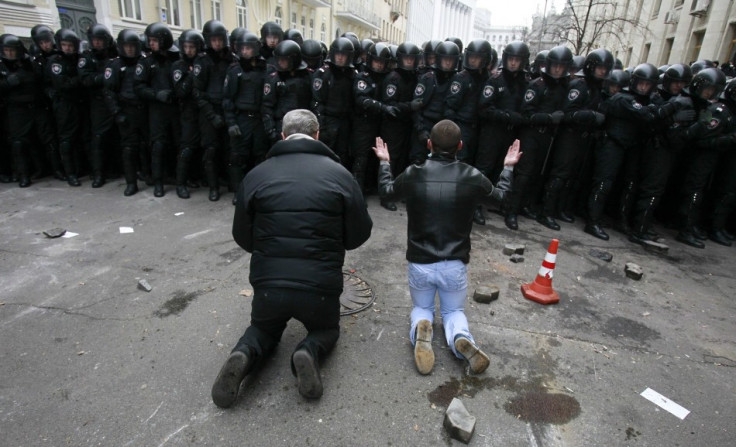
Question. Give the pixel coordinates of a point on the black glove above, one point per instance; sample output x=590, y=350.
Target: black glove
x=515, y=118
x=234, y=131
x=557, y=116
x=120, y=118
x=416, y=104
x=217, y=121
x=390, y=110
x=13, y=80
x=682, y=101
x=163, y=96
x=684, y=115
x=599, y=118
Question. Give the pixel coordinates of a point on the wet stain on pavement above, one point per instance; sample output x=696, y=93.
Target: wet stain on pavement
x=631, y=433
x=177, y=304
x=603, y=273
x=232, y=255
x=624, y=327
x=547, y=408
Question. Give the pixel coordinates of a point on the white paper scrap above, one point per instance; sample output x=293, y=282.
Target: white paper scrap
x=69, y=234
x=179, y=213
x=124, y=230
x=657, y=399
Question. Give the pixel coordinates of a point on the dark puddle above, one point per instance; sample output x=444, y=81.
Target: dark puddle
x=177, y=304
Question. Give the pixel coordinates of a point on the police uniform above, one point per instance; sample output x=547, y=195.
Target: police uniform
x=333, y=103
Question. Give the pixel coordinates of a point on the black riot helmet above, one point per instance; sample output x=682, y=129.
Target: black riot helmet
x=617, y=64
x=378, y=52
x=271, y=29
x=598, y=58
x=128, y=36
x=676, y=73
x=701, y=65
x=235, y=35
x=559, y=55
x=494, y=58
x=295, y=35
x=365, y=45
x=356, y=45
x=540, y=61
x=191, y=36
x=40, y=33
x=480, y=48
x=67, y=35
x=429, y=49
x=618, y=78
x=447, y=51
x=662, y=68
x=457, y=41
x=707, y=84
x=576, y=68
x=341, y=45
x=100, y=31
x=407, y=56
x=515, y=49
x=312, y=53
x=289, y=50
x=247, y=40
x=12, y=41
x=214, y=28
x=643, y=72
x=729, y=92
x=392, y=62
x=162, y=33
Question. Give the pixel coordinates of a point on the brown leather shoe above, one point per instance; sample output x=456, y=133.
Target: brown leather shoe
x=477, y=359
x=423, y=354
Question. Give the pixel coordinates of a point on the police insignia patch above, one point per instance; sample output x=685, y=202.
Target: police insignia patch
x=454, y=87
x=573, y=94
x=317, y=84
x=225, y=84
x=488, y=91
x=390, y=90
x=177, y=75
x=82, y=62
x=138, y=69
x=266, y=89
x=362, y=85
x=56, y=68
x=108, y=73
x=529, y=95
x=419, y=90
x=197, y=70
x=714, y=122
x=636, y=105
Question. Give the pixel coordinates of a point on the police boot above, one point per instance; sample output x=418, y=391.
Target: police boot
x=144, y=160
x=97, y=161
x=129, y=165
x=478, y=216
x=721, y=211
x=52, y=155
x=65, y=151
x=640, y=232
x=391, y=206
x=157, y=168
x=21, y=165
x=359, y=166
x=235, y=174
x=627, y=201
x=182, y=169
x=210, y=171
x=550, y=199
x=596, y=203
x=39, y=167
x=687, y=235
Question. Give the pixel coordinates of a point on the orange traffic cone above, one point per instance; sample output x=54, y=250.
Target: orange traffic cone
x=541, y=289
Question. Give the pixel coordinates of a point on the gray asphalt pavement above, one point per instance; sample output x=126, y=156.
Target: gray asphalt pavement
x=87, y=358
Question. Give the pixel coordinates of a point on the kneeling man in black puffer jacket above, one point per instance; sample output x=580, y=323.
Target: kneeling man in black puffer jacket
x=297, y=213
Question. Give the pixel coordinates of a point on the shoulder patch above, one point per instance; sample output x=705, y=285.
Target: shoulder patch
x=419, y=90
x=713, y=123
x=197, y=70
x=636, y=105
x=573, y=94
x=529, y=95
x=177, y=75
x=82, y=62
x=362, y=85
x=390, y=90
x=108, y=73
x=454, y=87
x=56, y=68
x=138, y=69
x=266, y=89
x=317, y=84
x=488, y=91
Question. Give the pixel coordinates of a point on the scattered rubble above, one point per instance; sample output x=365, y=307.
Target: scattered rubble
x=458, y=422
x=143, y=285
x=485, y=294
x=602, y=255
x=54, y=232
x=633, y=271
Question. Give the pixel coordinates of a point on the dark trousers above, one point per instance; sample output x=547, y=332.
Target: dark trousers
x=272, y=308
x=494, y=140
x=336, y=135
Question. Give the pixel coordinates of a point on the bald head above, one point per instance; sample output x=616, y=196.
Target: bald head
x=445, y=137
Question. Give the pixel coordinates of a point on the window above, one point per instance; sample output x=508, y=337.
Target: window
x=304, y=26
x=216, y=10
x=293, y=20
x=667, y=51
x=172, y=13
x=657, y=7
x=130, y=9
x=277, y=16
x=311, y=28
x=195, y=13
x=697, y=41
x=322, y=32
x=645, y=56
x=241, y=10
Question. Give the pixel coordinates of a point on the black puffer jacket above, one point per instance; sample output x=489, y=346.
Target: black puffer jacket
x=441, y=195
x=297, y=213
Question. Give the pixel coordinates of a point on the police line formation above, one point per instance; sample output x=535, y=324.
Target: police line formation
x=210, y=106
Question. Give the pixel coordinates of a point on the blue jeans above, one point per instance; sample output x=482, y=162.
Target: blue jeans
x=450, y=280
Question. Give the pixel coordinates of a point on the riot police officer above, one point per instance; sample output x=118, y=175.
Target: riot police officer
x=312, y=55
x=271, y=35
x=725, y=181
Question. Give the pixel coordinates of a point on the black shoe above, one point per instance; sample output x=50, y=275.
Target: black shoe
x=158, y=189
x=596, y=230
x=638, y=238
x=182, y=192
x=130, y=189
x=226, y=386
x=72, y=180
x=391, y=206
x=307, y=374
x=718, y=237
x=5, y=178
x=529, y=213
x=548, y=222
x=567, y=218
x=699, y=233
x=58, y=175
x=98, y=181
x=214, y=194
x=192, y=184
x=728, y=235
x=24, y=182
x=478, y=216
x=511, y=222
x=689, y=238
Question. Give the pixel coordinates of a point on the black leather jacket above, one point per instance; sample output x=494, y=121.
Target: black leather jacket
x=441, y=195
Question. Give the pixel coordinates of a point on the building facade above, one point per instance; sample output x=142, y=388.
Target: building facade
x=439, y=19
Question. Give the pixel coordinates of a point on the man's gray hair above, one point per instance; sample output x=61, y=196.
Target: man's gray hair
x=300, y=121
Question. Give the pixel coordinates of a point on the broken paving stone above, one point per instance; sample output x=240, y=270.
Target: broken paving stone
x=510, y=249
x=54, y=232
x=516, y=258
x=633, y=271
x=603, y=255
x=656, y=247
x=143, y=285
x=485, y=295
x=458, y=422
x=246, y=292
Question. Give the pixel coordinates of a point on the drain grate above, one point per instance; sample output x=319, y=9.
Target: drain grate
x=357, y=295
